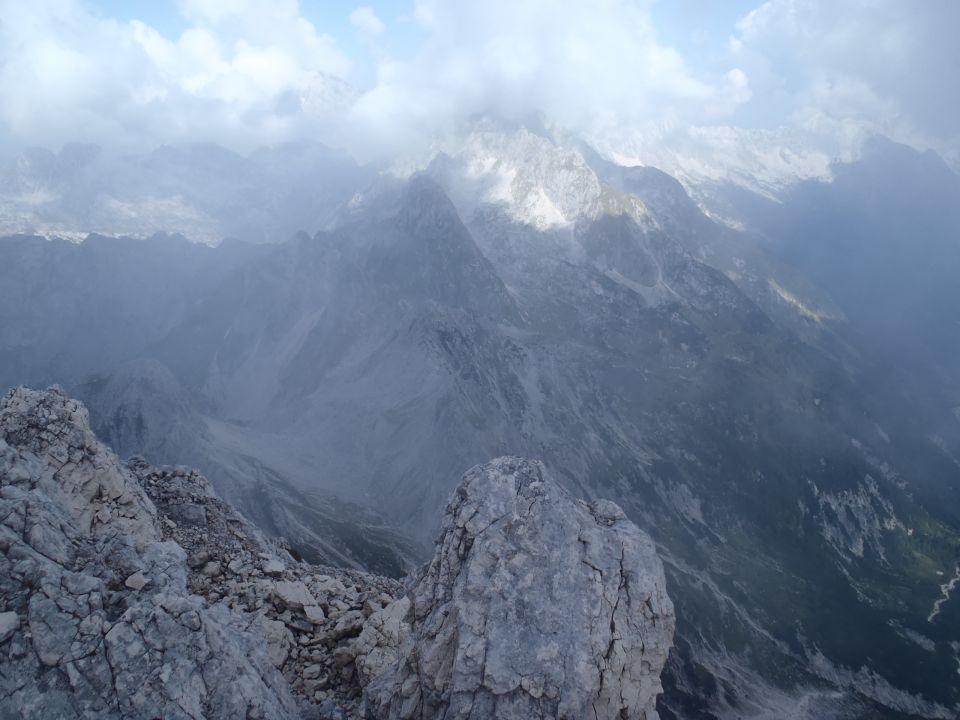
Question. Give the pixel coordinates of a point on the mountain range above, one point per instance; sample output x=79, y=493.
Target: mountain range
x=765, y=382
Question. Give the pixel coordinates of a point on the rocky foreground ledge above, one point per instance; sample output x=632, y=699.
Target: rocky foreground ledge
x=131, y=591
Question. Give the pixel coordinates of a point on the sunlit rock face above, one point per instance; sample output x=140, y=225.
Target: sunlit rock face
x=534, y=605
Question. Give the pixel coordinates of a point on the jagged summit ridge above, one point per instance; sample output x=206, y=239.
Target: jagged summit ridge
x=128, y=590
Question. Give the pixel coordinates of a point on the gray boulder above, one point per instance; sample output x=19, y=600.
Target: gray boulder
x=534, y=605
x=98, y=620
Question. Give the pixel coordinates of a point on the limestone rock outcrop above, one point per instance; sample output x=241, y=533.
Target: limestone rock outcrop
x=132, y=591
x=534, y=605
x=128, y=590
x=104, y=626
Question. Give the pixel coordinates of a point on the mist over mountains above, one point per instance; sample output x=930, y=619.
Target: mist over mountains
x=776, y=403
x=203, y=191
x=524, y=347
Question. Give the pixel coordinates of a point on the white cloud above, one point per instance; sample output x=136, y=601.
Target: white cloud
x=67, y=74
x=583, y=65
x=855, y=68
x=423, y=14
x=240, y=71
x=365, y=20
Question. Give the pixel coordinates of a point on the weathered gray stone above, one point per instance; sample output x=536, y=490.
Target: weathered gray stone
x=278, y=638
x=314, y=613
x=534, y=605
x=137, y=581
x=111, y=630
x=9, y=624
x=273, y=567
x=293, y=594
x=377, y=648
x=107, y=618
x=348, y=625
x=84, y=473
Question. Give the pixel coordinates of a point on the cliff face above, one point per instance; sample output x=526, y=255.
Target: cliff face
x=129, y=590
x=534, y=605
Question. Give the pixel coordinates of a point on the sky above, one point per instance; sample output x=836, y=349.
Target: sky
x=381, y=76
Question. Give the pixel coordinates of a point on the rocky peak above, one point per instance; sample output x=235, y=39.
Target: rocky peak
x=539, y=181
x=128, y=590
x=418, y=249
x=534, y=605
x=84, y=476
